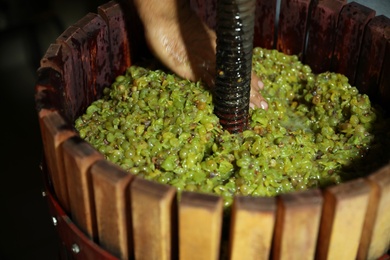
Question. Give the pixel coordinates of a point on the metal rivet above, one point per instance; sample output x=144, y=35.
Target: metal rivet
x=44, y=193
x=55, y=222
x=75, y=249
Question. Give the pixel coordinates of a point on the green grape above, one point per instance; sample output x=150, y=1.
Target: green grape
x=161, y=127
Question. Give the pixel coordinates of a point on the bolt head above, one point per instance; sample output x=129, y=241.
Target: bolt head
x=55, y=221
x=75, y=248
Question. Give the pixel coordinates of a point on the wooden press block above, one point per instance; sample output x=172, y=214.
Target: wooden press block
x=251, y=227
x=322, y=34
x=78, y=156
x=153, y=208
x=350, y=29
x=200, y=226
x=375, y=240
x=113, y=212
x=372, y=56
x=344, y=210
x=297, y=225
x=54, y=131
x=292, y=27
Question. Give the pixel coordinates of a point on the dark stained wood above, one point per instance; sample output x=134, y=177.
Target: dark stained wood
x=98, y=54
x=75, y=40
x=372, y=56
x=295, y=236
x=48, y=87
x=112, y=203
x=251, y=227
x=52, y=57
x=264, y=31
x=72, y=71
x=78, y=156
x=55, y=73
x=384, y=83
x=293, y=20
x=349, y=34
x=321, y=34
x=118, y=36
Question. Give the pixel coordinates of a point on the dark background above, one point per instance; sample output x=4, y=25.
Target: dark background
x=27, y=28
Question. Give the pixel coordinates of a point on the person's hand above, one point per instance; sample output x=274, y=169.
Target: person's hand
x=185, y=44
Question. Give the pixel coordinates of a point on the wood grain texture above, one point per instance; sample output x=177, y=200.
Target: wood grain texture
x=200, y=226
x=297, y=225
x=98, y=53
x=322, y=34
x=78, y=156
x=113, y=212
x=154, y=209
x=372, y=56
x=54, y=131
x=344, y=211
x=251, y=227
x=375, y=239
x=352, y=21
x=292, y=27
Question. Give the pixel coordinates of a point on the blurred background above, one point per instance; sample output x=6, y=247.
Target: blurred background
x=26, y=30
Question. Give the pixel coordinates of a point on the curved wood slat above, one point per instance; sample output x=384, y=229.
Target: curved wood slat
x=375, y=240
x=78, y=156
x=154, y=218
x=70, y=102
x=321, y=36
x=97, y=59
x=292, y=27
x=54, y=131
x=112, y=13
x=344, y=210
x=297, y=225
x=200, y=226
x=251, y=227
x=371, y=56
x=55, y=75
x=75, y=39
x=112, y=203
x=349, y=34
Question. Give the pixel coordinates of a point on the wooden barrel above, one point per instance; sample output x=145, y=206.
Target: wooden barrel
x=102, y=212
